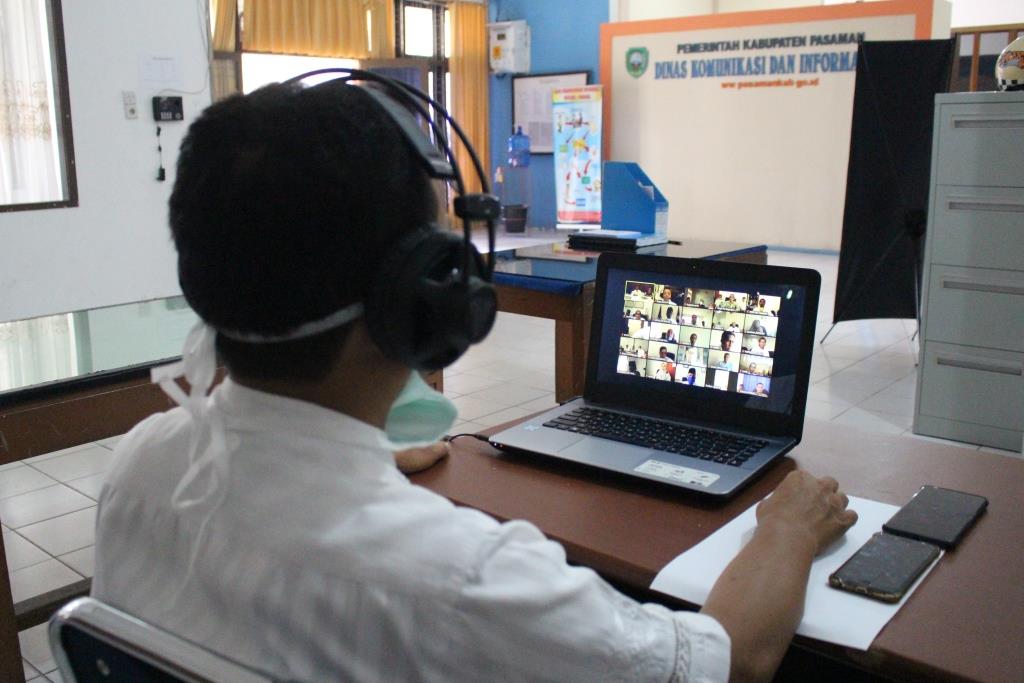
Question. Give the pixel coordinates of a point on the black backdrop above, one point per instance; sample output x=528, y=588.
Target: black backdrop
x=887, y=179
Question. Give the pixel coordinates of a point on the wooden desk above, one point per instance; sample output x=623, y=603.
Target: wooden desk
x=964, y=623
x=571, y=305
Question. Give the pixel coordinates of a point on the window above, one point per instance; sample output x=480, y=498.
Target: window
x=424, y=34
x=259, y=69
x=37, y=167
x=423, y=43
x=977, y=51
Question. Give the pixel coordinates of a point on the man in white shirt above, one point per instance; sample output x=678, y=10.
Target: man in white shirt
x=761, y=348
x=641, y=332
x=270, y=523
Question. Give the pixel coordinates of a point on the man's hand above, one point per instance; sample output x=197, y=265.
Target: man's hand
x=759, y=597
x=808, y=506
x=417, y=459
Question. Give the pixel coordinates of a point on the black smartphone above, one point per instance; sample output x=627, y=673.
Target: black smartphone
x=936, y=515
x=885, y=567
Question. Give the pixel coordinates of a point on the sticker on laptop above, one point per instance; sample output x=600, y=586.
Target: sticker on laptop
x=685, y=475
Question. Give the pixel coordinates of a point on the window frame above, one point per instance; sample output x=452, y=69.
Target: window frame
x=438, y=65
x=975, y=33
x=62, y=103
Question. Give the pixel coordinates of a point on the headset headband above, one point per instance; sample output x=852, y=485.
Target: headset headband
x=398, y=102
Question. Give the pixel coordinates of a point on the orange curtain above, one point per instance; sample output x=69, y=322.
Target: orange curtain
x=468, y=66
x=224, y=14
x=382, y=28
x=321, y=28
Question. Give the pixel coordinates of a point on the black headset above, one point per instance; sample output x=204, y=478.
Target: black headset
x=432, y=295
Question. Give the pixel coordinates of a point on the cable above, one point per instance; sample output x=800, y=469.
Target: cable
x=161, y=174
x=478, y=437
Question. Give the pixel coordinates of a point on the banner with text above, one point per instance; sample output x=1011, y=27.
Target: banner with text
x=744, y=119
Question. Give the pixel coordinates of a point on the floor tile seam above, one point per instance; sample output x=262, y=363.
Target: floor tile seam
x=33, y=543
x=69, y=567
x=495, y=412
x=68, y=552
x=874, y=356
x=534, y=398
x=27, y=663
x=10, y=572
x=840, y=413
x=959, y=444
x=46, y=474
x=70, y=485
x=33, y=490
x=502, y=406
x=884, y=413
x=46, y=519
x=873, y=393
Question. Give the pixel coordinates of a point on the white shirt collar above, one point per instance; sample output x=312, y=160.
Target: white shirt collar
x=250, y=410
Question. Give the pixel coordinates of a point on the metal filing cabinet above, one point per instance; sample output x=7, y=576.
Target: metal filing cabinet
x=970, y=385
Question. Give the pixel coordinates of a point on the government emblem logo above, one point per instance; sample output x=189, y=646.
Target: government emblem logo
x=636, y=61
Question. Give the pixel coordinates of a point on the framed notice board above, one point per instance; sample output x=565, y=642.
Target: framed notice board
x=531, y=104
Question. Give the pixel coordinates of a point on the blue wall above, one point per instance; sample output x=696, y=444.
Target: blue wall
x=565, y=36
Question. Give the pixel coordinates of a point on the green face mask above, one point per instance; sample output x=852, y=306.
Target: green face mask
x=419, y=416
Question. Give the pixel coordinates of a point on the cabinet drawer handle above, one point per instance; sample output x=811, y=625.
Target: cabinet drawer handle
x=987, y=287
x=997, y=122
x=974, y=364
x=966, y=204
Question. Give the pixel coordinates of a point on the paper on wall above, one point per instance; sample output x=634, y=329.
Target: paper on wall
x=831, y=615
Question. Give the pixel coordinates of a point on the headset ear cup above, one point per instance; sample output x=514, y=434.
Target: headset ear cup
x=419, y=311
x=482, y=301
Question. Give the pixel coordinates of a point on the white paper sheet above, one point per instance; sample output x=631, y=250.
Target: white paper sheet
x=831, y=615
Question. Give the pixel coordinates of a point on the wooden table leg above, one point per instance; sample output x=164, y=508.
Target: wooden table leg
x=572, y=339
x=11, y=668
x=572, y=314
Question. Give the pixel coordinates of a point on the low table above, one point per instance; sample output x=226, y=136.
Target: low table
x=555, y=282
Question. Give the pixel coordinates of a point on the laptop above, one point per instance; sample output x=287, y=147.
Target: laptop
x=696, y=377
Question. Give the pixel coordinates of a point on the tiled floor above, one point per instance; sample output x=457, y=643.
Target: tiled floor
x=863, y=376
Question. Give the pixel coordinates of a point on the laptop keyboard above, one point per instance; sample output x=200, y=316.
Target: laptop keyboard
x=664, y=436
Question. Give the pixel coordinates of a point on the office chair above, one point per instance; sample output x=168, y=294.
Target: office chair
x=93, y=642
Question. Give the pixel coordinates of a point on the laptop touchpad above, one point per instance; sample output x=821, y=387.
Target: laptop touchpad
x=613, y=454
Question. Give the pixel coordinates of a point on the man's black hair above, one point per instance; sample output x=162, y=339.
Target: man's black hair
x=285, y=202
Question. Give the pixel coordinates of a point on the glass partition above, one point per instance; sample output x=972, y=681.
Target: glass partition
x=69, y=346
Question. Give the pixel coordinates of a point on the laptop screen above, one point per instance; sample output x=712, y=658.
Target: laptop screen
x=706, y=341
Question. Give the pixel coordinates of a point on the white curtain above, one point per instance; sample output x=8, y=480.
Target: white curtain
x=28, y=141
x=37, y=350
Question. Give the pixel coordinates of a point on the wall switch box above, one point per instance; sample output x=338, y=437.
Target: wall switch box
x=168, y=109
x=131, y=109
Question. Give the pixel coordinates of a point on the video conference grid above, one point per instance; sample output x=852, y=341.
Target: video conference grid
x=699, y=337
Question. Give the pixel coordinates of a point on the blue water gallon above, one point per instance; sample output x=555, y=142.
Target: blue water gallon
x=518, y=149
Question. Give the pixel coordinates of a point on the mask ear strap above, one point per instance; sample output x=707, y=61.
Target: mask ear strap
x=207, y=462
x=198, y=365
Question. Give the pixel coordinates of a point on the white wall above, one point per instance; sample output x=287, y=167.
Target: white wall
x=987, y=12
x=638, y=10
x=115, y=246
